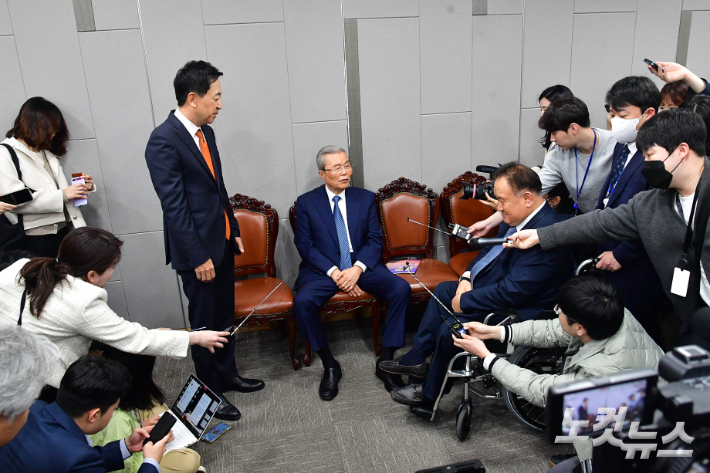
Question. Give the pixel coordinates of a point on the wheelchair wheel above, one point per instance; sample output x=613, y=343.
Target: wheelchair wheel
x=463, y=419
x=540, y=361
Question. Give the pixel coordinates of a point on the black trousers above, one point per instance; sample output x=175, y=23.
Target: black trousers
x=46, y=246
x=211, y=305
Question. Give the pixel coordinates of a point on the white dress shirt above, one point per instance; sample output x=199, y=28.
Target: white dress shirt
x=191, y=127
x=344, y=212
x=518, y=228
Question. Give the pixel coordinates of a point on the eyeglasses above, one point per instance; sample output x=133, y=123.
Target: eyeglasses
x=558, y=311
x=337, y=169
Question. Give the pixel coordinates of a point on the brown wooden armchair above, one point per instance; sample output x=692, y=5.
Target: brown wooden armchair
x=259, y=228
x=464, y=212
x=342, y=302
x=397, y=201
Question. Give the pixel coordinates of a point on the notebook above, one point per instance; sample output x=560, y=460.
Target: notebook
x=193, y=409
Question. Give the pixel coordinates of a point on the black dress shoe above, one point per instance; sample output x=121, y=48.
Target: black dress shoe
x=329, y=384
x=242, y=385
x=393, y=367
x=392, y=381
x=411, y=395
x=226, y=410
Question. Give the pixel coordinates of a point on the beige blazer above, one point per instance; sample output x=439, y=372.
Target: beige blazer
x=47, y=206
x=75, y=314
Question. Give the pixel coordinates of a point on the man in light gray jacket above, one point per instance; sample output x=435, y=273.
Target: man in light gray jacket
x=601, y=338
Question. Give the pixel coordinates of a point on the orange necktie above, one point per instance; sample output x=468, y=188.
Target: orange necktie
x=208, y=159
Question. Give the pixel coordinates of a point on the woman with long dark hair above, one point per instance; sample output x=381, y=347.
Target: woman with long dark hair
x=141, y=407
x=66, y=302
x=38, y=139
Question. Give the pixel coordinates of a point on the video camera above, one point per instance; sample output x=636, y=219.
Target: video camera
x=478, y=191
x=640, y=423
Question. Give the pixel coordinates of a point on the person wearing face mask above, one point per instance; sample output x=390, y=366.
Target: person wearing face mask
x=631, y=102
x=673, y=145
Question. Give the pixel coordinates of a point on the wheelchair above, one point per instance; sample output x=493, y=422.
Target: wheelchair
x=477, y=381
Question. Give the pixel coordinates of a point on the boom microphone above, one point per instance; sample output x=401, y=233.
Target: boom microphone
x=488, y=241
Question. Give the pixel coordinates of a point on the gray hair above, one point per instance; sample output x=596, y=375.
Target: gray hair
x=26, y=361
x=330, y=149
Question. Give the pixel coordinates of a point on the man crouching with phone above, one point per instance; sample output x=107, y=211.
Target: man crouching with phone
x=55, y=435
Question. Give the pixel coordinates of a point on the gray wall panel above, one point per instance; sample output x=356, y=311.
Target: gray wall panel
x=380, y=8
x=308, y=138
x=115, y=14
x=316, y=71
x=446, y=148
x=497, y=45
x=505, y=7
x=696, y=4
x=12, y=92
x=122, y=126
x=547, y=49
x=390, y=100
x=150, y=286
x=531, y=153
x=254, y=128
x=445, y=38
x=222, y=12
x=174, y=34
x=602, y=6
x=51, y=62
x=658, y=38
x=697, y=46
x=594, y=45
x=286, y=255
x=117, y=299
x=5, y=23
x=83, y=156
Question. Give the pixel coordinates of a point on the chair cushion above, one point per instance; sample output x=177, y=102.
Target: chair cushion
x=248, y=294
x=341, y=297
x=431, y=272
x=253, y=230
x=460, y=262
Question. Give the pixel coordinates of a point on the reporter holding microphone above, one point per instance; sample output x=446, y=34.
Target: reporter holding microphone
x=670, y=220
x=66, y=302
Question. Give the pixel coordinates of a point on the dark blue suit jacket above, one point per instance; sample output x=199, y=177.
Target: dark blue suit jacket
x=52, y=442
x=317, y=239
x=193, y=200
x=524, y=280
x=637, y=275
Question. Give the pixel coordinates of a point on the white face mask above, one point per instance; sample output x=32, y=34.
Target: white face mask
x=624, y=130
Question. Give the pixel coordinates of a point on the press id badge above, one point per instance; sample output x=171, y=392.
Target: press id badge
x=681, y=278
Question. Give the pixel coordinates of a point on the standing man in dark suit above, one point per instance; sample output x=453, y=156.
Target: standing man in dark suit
x=55, y=436
x=497, y=279
x=631, y=101
x=201, y=233
x=339, y=238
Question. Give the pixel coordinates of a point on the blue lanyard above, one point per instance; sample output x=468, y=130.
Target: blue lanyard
x=612, y=187
x=576, y=174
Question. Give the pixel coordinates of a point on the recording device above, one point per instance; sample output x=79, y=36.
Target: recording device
x=457, y=328
x=471, y=466
x=161, y=429
x=651, y=63
x=232, y=331
x=77, y=178
x=656, y=407
x=17, y=197
x=461, y=231
x=216, y=432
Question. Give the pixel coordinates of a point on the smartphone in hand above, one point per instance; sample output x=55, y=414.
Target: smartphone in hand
x=77, y=178
x=651, y=63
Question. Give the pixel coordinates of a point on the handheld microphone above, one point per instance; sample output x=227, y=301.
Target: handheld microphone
x=457, y=328
x=488, y=241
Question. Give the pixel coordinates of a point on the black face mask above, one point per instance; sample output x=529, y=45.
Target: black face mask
x=656, y=174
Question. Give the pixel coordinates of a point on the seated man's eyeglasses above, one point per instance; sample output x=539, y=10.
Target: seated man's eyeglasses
x=337, y=169
x=558, y=311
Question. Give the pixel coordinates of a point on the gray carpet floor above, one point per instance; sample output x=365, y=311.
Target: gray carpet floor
x=286, y=427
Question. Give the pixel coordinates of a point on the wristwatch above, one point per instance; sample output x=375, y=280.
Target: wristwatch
x=464, y=278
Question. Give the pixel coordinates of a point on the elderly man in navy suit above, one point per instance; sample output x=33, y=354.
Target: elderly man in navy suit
x=499, y=278
x=339, y=238
x=200, y=231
